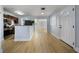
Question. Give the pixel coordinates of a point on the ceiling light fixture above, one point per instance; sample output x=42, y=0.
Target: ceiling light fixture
x=42, y=13
x=19, y=12
x=42, y=8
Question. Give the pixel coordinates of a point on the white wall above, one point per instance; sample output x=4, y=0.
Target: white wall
x=54, y=25
x=48, y=24
x=1, y=27
x=77, y=27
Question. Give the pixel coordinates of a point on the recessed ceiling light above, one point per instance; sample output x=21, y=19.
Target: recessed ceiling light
x=42, y=13
x=42, y=8
x=19, y=12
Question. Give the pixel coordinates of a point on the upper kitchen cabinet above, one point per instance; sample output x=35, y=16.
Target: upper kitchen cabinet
x=9, y=18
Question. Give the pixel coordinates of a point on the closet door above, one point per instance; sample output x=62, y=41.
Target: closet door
x=71, y=32
x=68, y=26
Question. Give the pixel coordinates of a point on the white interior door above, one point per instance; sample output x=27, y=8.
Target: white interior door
x=41, y=24
x=68, y=26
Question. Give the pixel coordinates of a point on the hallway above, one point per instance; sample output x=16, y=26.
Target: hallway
x=42, y=41
x=40, y=28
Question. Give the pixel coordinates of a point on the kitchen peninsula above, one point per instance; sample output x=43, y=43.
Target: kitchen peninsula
x=24, y=32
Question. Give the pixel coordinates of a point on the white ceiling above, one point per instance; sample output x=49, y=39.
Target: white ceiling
x=33, y=10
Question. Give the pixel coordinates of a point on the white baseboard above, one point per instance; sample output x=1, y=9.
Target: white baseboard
x=76, y=49
x=55, y=35
x=1, y=51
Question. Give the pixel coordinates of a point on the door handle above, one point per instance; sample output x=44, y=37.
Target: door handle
x=60, y=27
x=73, y=26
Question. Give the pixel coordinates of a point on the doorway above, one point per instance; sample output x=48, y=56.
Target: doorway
x=41, y=24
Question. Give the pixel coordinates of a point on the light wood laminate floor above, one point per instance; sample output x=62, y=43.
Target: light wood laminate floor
x=42, y=42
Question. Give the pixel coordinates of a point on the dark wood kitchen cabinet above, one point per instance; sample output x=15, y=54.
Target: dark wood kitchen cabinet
x=7, y=20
